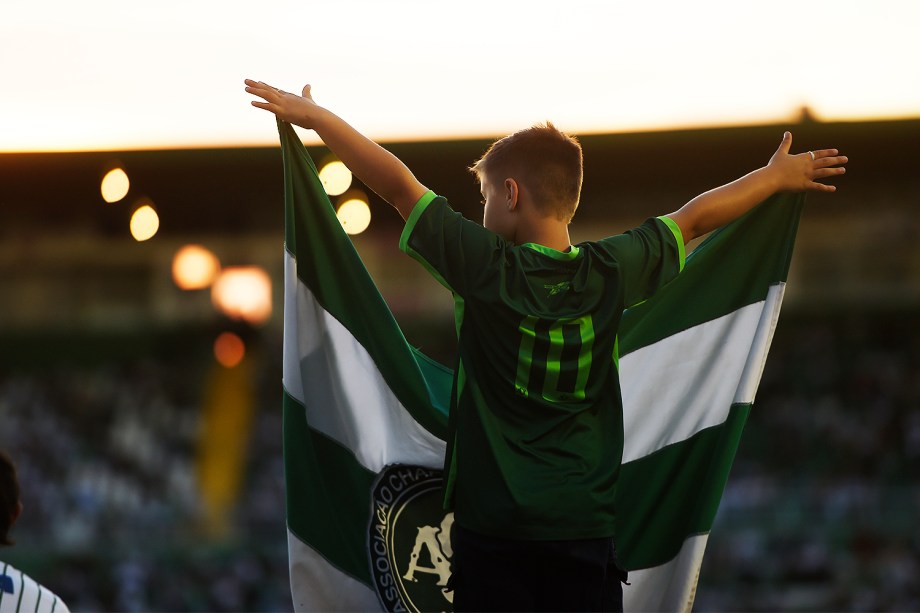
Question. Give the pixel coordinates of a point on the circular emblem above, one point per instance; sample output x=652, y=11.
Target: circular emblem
x=409, y=540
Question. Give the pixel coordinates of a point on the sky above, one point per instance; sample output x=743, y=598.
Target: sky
x=116, y=75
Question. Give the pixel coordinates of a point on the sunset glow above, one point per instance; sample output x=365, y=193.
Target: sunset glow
x=103, y=75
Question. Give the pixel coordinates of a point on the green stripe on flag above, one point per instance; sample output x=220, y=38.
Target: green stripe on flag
x=328, y=494
x=674, y=493
x=711, y=284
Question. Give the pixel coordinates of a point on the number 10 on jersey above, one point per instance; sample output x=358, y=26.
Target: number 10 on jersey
x=554, y=358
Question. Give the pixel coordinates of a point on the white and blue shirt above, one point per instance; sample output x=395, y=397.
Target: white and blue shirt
x=19, y=593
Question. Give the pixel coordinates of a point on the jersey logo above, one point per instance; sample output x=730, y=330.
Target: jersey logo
x=409, y=540
x=558, y=288
x=6, y=584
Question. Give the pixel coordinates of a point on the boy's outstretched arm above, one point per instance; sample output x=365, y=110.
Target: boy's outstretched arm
x=376, y=167
x=784, y=172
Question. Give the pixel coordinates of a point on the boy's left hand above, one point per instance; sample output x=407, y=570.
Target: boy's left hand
x=800, y=172
x=298, y=110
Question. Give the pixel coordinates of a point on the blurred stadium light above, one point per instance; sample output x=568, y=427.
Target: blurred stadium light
x=244, y=292
x=115, y=185
x=336, y=177
x=354, y=212
x=144, y=222
x=194, y=267
x=229, y=349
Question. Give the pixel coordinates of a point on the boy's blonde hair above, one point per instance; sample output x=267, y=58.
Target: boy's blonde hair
x=545, y=160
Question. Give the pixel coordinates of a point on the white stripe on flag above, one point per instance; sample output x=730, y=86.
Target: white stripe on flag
x=760, y=345
x=692, y=368
x=317, y=585
x=669, y=587
x=347, y=399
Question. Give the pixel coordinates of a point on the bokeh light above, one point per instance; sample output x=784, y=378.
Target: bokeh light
x=115, y=185
x=144, y=223
x=243, y=292
x=229, y=349
x=336, y=178
x=354, y=213
x=194, y=267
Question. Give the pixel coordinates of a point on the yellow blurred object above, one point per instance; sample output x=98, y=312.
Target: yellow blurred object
x=227, y=415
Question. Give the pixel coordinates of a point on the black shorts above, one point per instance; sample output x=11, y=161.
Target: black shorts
x=495, y=574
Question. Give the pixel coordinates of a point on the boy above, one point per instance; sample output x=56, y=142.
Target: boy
x=536, y=425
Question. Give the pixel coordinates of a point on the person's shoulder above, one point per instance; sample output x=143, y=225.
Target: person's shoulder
x=429, y=204
x=434, y=215
x=26, y=593
x=653, y=228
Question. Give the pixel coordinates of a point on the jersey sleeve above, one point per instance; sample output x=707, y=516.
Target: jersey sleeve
x=648, y=257
x=456, y=251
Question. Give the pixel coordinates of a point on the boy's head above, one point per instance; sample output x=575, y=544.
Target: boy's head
x=544, y=161
x=10, y=505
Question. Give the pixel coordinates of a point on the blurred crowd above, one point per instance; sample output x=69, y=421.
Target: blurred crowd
x=107, y=459
x=819, y=512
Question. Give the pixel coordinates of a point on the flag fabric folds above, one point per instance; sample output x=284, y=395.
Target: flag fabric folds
x=365, y=414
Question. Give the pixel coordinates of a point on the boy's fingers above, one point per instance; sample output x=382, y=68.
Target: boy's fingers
x=820, y=173
x=257, y=93
x=260, y=89
x=824, y=153
x=832, y=161
x=821, y=187
x=255, y=84
x=786, y=143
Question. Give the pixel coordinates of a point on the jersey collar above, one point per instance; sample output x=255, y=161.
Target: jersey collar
x=571, y=254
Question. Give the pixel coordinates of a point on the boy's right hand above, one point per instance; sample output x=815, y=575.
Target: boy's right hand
x=298, y=110
x=784, y=172
x=802, y=171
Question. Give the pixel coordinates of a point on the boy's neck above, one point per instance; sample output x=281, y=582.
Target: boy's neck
x=555, y=236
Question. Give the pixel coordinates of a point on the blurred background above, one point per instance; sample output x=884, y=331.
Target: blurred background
x=141, y=263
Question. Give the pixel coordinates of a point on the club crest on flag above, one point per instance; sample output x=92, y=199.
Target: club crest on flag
x=409, y=540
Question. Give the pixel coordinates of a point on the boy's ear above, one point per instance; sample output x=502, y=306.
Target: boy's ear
x=512, y=193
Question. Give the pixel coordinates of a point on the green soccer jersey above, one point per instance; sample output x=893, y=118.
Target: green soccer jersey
x=536, y=420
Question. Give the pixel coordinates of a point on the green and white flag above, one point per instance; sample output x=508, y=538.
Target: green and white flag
x=365, y=414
